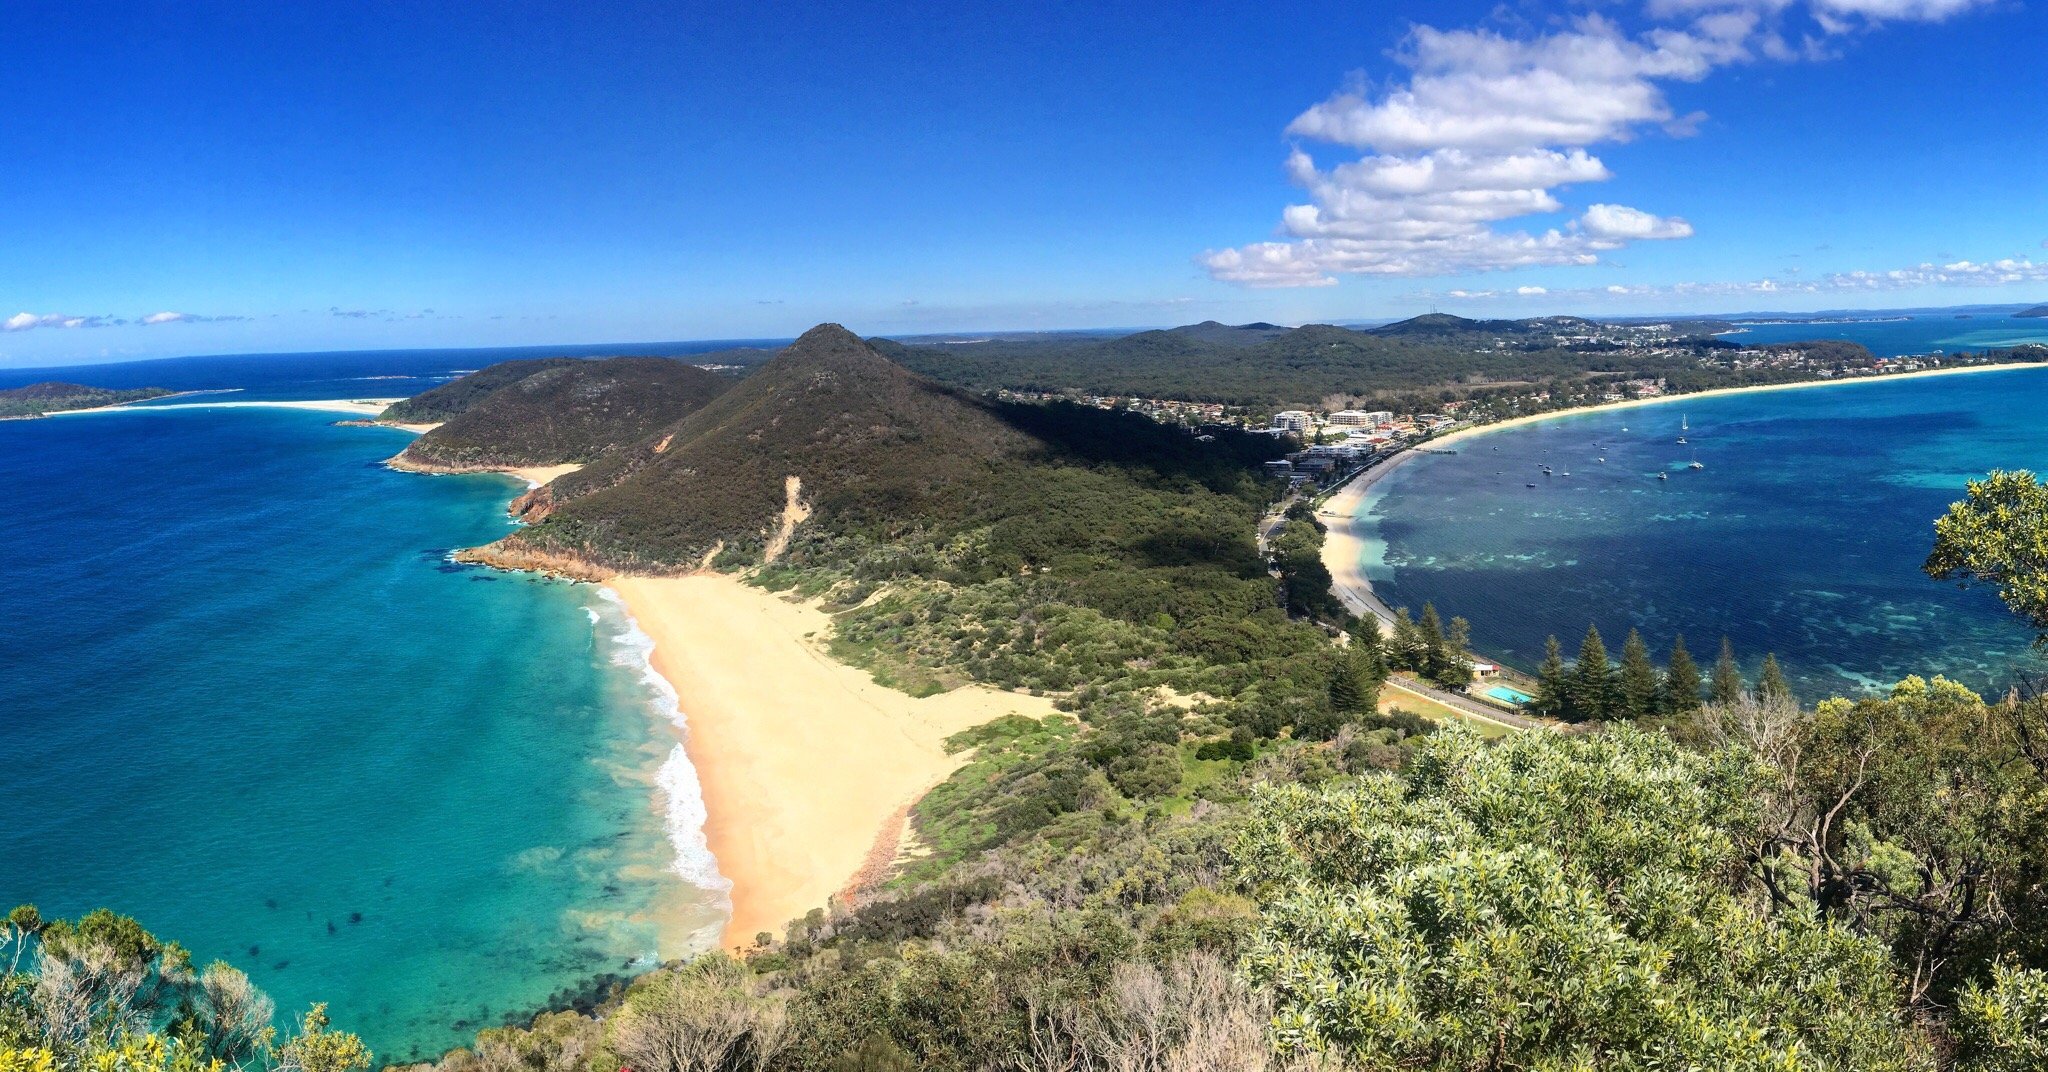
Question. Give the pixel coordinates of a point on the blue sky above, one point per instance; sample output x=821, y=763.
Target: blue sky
x=259, y=177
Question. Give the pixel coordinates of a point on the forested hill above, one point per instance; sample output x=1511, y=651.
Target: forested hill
x=2036, y=311
x=873, y=449
x=1424, y=358
x=37, y=399
x=451, y=398
x=564, y=412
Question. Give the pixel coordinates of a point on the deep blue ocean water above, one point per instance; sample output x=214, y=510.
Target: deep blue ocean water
x=245, y=698
x=1921, y=334
x=1803, y=535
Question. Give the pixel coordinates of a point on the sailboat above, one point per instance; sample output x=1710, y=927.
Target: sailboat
x=1684, y=426
x=1696, y=463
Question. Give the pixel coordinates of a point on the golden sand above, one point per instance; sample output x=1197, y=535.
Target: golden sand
x=805, y=762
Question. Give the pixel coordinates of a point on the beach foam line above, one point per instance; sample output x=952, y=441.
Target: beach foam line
x=682, y=793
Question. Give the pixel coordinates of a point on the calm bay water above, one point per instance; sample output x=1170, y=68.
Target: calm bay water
x=1803, y=534
x=245, y=698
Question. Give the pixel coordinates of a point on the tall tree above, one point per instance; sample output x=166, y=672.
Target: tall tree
x=1430, y=629
x=1452, y=666
x=1406, y=649
x=1770, y=681
x=1592, y=679
x=1355, y=681
x=1553, y=688
x=1636, y=685
x=1365, y=630
x=1681, y=688
x=1726, y=687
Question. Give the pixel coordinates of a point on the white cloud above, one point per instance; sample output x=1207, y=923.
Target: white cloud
x=1832, y=16
x=2011, y=271
x=27, y=321
x=1623, y=222
x=1486, y=128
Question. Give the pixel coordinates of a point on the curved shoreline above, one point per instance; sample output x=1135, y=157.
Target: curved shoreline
x=1344, y=538
x=805, y=763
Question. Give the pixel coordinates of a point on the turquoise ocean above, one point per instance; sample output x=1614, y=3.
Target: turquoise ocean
x=246, y=698
x=1802, y=535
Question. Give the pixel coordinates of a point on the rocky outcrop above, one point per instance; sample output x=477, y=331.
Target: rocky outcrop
x=501, y=555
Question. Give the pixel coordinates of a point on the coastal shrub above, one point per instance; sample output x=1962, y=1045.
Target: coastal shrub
x=710, y=1015
x=101, y=992
x=1550, y=902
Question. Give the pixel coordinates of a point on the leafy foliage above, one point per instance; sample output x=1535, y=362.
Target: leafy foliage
x=101, y=994
x=1550, y=902
x=1998, y=535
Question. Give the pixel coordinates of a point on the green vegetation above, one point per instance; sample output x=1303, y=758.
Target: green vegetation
x=457, y=395
x=1852, y=887
x=1594, y=688
x=1227, y=855
x=101, y=994
x=1998, y=535
x=1435, y=652
x=1415, y=365
x=38, y=399
x=1296, y=549
x=566, y=412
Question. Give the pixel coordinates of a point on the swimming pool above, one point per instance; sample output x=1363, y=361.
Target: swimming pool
x=1508, y=695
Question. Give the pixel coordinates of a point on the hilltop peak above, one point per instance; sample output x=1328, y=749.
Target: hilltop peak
x=827, y=334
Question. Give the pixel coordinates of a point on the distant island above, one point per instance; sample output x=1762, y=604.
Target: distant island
x=42, y=399
x=2036, y=312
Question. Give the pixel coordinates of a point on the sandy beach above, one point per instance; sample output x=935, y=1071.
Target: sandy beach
x=1343, y=544
x=805, y=763
x=360, y=408
x=536, y=475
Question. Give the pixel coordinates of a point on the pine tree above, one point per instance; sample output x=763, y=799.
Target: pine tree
x=1681, y=691
x=1406, y=650
x=1727, y=683
x=1453, y=664
x=1430, y=629
x=1592, y=679
x=1770, y=681
x=1355, y=680
x=1552, y=687
x=1636, y=686
x=1365, y=630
